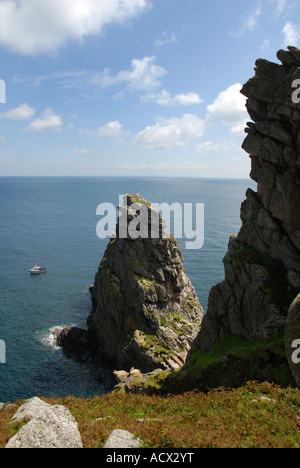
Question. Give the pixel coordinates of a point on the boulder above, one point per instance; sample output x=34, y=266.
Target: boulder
x=120, y=439
x=136, y=382
x=121, y=376
x=48, y=427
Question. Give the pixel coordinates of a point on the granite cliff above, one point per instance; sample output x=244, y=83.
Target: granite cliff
x=146, y=312
x=262, y=265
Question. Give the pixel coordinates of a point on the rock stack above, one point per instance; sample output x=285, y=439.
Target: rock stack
x=262, y=265
x=145, y=309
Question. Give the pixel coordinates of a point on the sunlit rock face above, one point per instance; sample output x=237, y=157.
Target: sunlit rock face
x=262, y=265
x=146, y=313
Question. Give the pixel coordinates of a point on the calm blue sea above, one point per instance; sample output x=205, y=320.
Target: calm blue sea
x=51, y=221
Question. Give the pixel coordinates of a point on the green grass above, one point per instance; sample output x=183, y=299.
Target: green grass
x=231, y=363
x=234, y=345
x=221, y=418
x=151, y=342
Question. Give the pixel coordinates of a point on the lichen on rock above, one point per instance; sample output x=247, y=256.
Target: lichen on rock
x=145, y=309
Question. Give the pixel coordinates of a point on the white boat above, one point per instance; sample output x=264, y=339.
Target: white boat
x=36, y=270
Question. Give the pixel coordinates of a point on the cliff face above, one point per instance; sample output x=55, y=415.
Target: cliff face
x=146, y=313
x=262, y=265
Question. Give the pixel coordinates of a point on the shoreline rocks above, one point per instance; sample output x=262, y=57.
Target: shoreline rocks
x=75, y=343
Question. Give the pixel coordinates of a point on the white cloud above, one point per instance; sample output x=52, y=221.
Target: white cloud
x=45, y=26
x=239, y=129
x=164, y=98
x=143, y=75
x=190, y=165
x=280, y=6
x=171, y=132
x=207, y=147
x=47, y=121
x=22, y=112
x=291, y=34
x=109, y=130
x=159, y=165
x=266, y=45
x=81, y=151
x=249, y=22
x=64, y=79
x=186, y=165
x=229, y=108
x=165, y=39
x=2, y=138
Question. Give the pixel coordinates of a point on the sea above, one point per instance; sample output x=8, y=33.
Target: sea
x=52, y=222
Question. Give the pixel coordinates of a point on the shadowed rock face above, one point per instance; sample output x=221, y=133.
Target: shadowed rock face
x=262, y=265
x=75, y=343
x=145, y=310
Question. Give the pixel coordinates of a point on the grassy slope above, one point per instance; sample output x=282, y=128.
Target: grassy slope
x=234, y=360
x=219, y=418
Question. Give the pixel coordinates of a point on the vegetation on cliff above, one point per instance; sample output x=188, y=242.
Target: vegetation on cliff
x=145, y=309
x=252, y=416
x=262, y=265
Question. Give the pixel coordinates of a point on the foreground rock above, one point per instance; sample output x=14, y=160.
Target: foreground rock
x=49, y=427
x=262, y=265
x=145, y=310
x=122, y=439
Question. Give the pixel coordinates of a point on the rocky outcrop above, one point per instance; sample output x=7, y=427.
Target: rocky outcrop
x=48, y=427
x=146, y=312
x=262, y=265
x=136, y=382
x=75, y=343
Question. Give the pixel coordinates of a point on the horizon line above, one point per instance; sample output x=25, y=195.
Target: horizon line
x=126, y=177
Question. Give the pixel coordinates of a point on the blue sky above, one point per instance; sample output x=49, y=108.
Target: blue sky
x=133, y=87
